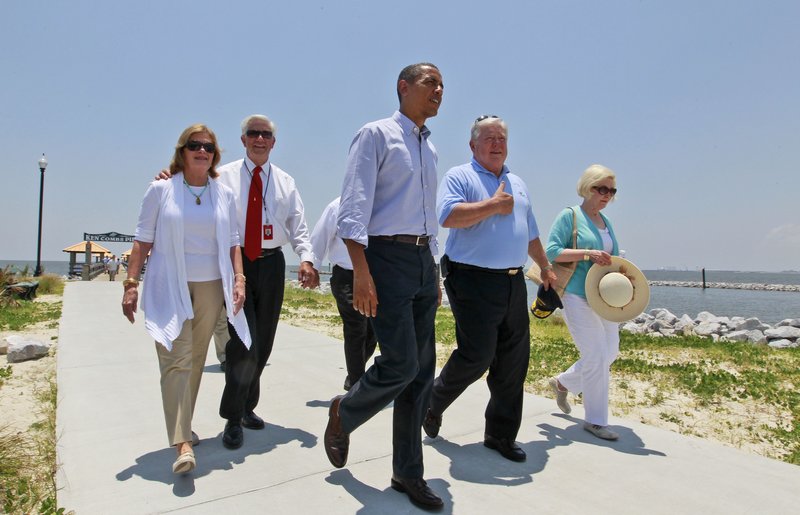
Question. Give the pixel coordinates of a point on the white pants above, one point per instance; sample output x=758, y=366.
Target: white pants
x=597, y=340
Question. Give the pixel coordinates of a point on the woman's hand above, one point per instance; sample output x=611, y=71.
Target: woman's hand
x=599, y=257
x=129, y=300
x=238, y=296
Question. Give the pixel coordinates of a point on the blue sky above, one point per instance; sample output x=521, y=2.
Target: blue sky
x=694, y=104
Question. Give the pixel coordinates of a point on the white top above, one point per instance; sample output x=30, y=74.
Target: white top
x=324, y=240
x=200, y=237
x=283, y=207
x=608, y=243
x=165, y=293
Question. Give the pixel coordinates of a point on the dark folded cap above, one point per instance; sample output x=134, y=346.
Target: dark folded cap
x=546, y=302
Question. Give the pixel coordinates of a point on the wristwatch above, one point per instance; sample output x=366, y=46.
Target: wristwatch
x=586, y=256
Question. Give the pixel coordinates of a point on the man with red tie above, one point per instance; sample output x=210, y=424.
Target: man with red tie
x=270, y=215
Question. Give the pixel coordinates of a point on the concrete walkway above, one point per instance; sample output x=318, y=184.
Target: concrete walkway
x=114, y=457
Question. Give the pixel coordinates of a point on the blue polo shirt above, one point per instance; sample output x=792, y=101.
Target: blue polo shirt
x=500, y=241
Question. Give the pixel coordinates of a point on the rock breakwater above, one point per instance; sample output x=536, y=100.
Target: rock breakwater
x=729, y=286
x=661, y=322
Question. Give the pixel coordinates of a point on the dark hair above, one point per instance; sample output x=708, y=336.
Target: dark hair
x=411, y=72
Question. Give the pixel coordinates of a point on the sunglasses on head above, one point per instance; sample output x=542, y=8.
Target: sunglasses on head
x=194, y=146
x=605, y=191
x=485, y=117
x=252, y=133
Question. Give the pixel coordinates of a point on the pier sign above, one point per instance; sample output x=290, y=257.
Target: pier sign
x=109, y=236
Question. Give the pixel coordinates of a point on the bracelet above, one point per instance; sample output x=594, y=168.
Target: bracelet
x=130, y=282
x=239, y=274
x=548, y=267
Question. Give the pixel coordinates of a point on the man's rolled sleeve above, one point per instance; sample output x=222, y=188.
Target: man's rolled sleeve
x=358, y=189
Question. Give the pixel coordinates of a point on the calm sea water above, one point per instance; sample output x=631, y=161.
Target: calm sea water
x=49, y=267
x=768, y=306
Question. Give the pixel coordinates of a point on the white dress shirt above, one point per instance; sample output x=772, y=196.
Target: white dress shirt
x=325, y=241
x=283, y=207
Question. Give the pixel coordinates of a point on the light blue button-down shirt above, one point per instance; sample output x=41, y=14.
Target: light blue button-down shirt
x=500, y=241
x=390, y=183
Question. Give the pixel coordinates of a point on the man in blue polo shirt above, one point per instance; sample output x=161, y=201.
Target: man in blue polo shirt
x=492, y=233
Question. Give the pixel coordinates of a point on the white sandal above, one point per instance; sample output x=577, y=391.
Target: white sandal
x=600, y=431
x=185, y=463
x=561, y=396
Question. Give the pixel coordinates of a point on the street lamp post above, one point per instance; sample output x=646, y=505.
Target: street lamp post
x=42, y=166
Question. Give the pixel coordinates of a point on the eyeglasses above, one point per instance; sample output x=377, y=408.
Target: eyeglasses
x=251, y=133
x=605, y=191
x=194, y=146
x=485, y=117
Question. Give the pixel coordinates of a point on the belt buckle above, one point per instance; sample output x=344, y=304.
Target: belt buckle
x=418, y=244
x=513, y=271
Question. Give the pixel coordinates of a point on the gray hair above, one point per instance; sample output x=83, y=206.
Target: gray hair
x=260, y=117
x=483, y=121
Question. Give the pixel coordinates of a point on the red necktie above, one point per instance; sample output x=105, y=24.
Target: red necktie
x=252, y=228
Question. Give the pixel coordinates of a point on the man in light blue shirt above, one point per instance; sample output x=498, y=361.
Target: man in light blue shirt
x=388, y=222
x=492, y=233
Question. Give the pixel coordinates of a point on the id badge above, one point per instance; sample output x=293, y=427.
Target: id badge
x=267, y=231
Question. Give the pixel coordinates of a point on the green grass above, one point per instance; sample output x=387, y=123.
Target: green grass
x=694, y=373
x=25, y=313
x=28, y=461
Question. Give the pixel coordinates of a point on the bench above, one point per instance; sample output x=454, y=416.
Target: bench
x=23, y=290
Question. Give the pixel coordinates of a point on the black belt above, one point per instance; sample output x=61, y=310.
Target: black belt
x=504, y=271
x=266, y=252
x=419, y=241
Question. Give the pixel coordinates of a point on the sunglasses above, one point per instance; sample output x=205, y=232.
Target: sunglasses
x=485, y=117
x=605, y=191
x=251, y=133
x=194, y=146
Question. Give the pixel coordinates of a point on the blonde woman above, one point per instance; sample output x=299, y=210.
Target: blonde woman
x=188, y=227
x=597, y=339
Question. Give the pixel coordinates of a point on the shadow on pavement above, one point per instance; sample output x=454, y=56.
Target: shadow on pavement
x=388, y=500
x=157, y=465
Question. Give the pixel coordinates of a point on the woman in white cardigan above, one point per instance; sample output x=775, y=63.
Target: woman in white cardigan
x=189, y=229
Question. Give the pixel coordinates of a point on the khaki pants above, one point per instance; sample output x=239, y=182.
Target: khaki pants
x=182, y=367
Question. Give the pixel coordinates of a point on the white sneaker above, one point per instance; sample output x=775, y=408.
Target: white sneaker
x=561, y=396
x=600, y=431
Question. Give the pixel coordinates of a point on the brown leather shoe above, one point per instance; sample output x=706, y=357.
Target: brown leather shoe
x=337, y=442
x=419, y=493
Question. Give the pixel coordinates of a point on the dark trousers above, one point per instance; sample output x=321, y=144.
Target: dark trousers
x=492, y=332
x=262, y=308
x=406, y=284
x=359, y=337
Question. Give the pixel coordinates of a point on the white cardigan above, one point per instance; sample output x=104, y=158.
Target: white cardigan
x=165, y=292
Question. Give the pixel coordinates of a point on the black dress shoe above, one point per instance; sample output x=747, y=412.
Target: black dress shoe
x=347, y=384
x=337, y=442
x=507, y=448
x=252, y=421
x=233, y=436
x=432, y=424
x=418, y=492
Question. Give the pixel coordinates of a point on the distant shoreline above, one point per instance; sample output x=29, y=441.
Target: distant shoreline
x=729, y=286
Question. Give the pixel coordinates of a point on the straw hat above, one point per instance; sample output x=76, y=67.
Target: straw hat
x=617, y=292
